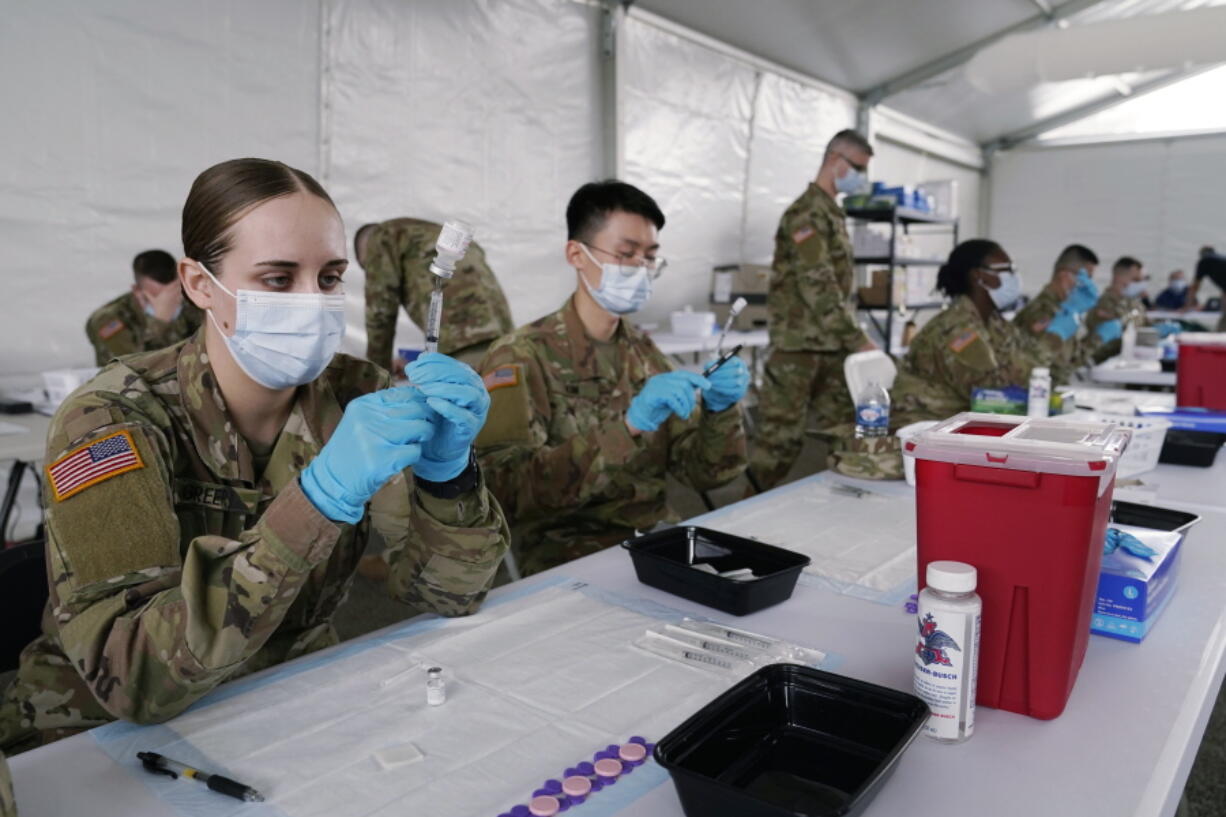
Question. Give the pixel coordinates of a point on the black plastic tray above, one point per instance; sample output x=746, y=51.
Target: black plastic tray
x=1147, y=516
x=663, y=560
x=790, y=741
x=1184, y=447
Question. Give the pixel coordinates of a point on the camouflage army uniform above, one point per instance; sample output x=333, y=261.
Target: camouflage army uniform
x=955, y=352
x=557, y=452
x=812, y=329
x=398, y=255
x=1111, y=306
x=8, y=808
x=207, y=561
x=1063, y=355
x=121, y=327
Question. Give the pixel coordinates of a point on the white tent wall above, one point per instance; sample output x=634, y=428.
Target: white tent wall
x=1158, y=200
x=484, y=110
x=117, y=107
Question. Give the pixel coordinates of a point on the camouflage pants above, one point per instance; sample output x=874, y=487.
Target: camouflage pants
x=795, y=384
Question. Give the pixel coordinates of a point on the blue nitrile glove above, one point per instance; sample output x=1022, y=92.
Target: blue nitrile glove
x=1064, y=324
x=1168, y=328
x=728, y=384
x=1084, y=294
x=1109, y=330
x=1117, y=539
x=664, y=394
x=380, y=435
x=459, y=402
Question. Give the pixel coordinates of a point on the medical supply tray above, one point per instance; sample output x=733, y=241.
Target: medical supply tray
x=662, y=560
x=788, y=741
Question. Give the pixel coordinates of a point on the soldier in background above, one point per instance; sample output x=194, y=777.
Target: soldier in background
x=967, y=345
x=1051, y=317
x=396, y=256
x=152, y=315
x=1119, y=306
x=588, y=417
x=231, y=482
x=812, y=324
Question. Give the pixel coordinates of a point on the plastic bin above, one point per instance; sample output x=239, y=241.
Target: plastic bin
x=1148, y=434
x=1196, y=448
x=1198, y=375
x=788, y=741
x=1026, y=501
x=665, y=560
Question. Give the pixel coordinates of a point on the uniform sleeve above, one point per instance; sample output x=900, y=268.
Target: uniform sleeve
x=821, y=289
x=111, y=337
x=711, y=451
x=528, y=475
x=383, y=295
x=443, y=552
x=151, y=627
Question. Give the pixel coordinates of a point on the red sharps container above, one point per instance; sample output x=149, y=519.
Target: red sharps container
x=1198, y=374
x=1026, y=501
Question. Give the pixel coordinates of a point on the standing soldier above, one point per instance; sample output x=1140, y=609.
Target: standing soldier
x=396, y=255
x=588, y=417
x=812, y=324
x=152, y=315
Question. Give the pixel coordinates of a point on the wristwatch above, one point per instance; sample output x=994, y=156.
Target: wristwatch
x=459, y=485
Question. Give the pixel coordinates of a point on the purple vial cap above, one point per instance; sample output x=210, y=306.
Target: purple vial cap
x=542, y=793
x=638, y=739
x=520, y=811
x=571, y=772
x=586, y=769
x=597, y=784
x=553, y=786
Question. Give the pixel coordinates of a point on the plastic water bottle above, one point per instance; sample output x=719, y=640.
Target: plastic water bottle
x=947, y=651
x=1038, y=402
x=872, y=411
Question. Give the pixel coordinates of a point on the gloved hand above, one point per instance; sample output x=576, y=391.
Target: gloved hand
x=1084, y=294
x=380, y=435
x=1109, y=330
x=459, y=404
x=1117, y=538
x=1168, y=328
x=728, y=385
x=1064, y=324
x=664, y=394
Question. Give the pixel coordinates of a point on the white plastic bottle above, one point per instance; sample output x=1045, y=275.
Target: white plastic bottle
x=436, y=687
x=947, y=650
x=1038, y=402
x=872, y=411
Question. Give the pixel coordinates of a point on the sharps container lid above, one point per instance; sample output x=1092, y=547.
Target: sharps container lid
x=952, y=577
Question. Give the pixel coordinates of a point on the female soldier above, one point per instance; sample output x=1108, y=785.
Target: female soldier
x=207, y=503
x=969, y=345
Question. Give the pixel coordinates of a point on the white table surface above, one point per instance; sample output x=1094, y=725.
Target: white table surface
x=31, y=446
x=671, y=344
x=1206, y=319
x=1132, y=372
x=1124, y=745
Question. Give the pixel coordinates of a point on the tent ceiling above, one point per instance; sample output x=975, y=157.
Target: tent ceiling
x=861, y=44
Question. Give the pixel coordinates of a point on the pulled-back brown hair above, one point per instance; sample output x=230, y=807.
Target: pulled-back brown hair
x=221, y=194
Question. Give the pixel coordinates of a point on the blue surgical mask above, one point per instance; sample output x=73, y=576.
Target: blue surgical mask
x=853, y=181
x=1179, y=284
x=283, y=339
x=622, y=289
x=1010, y=289
x=153, y=314
x=1134, y=289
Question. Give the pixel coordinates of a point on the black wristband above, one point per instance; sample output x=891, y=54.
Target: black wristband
x=459, y=485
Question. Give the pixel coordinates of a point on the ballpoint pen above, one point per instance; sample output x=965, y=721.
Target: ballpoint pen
x=160, y=764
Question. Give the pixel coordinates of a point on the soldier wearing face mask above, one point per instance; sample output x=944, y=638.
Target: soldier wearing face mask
x=587, y=416
x=812, y=324
x=1119, y=306
x=968, y=345
x=153, y=315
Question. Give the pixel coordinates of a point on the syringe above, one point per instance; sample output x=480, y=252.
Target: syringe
x=733, y=311
x=451, y=245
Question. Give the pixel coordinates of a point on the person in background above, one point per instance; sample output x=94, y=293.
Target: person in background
x=152, y=315
x=234, y=478
x=969, y=344
x=1213, y=267
x=396, y=256
x=1052, y=316
x=812, y=324
x=588, y=417
x=1176, y=293
x=1118, y=307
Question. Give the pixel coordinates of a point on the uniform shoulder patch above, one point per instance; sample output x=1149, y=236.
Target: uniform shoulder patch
x=1039, y=326
x=964, y=340
x=502, y=377
x=111, y=328
x=803, y=234
x=92, y=463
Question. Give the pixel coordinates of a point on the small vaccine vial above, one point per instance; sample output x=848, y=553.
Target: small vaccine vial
x=436, y=687
x=451, y=245
x=1038, y=400
x=947, y=651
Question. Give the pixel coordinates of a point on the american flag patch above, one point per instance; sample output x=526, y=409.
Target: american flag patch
x=964, y=340
x=90, y=464
x=110, y=329
x=803, y=234
x=500, y=377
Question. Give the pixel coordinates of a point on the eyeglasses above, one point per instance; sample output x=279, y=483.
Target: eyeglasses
x=858, y=167
x=998, y=269
x=654, y=264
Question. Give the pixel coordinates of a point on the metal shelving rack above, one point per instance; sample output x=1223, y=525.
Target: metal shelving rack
x=898, y=217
